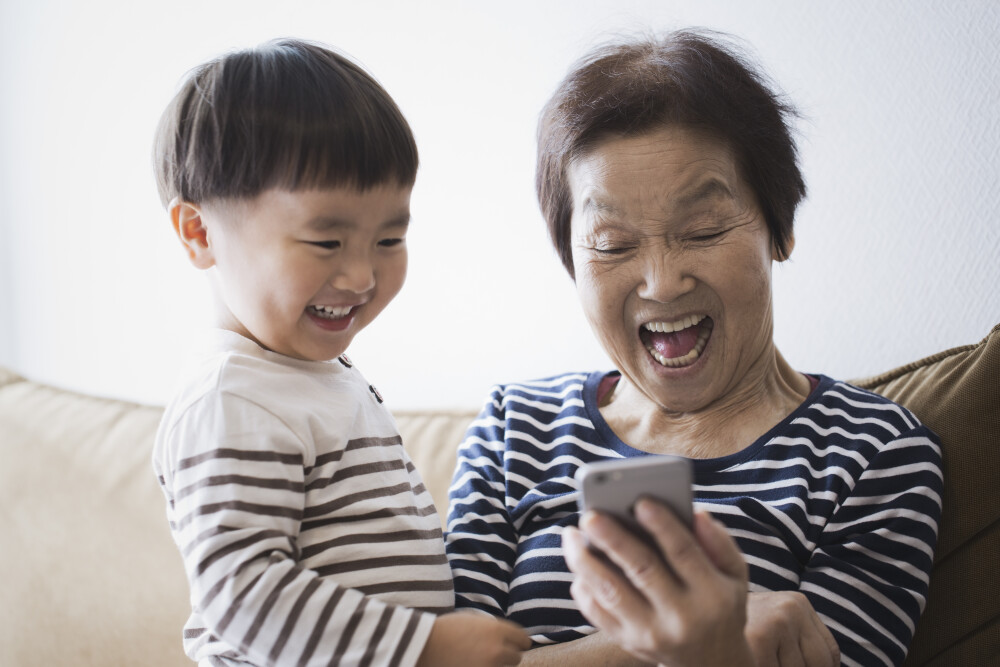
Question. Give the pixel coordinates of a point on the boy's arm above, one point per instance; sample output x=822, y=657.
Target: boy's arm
x=234, y=475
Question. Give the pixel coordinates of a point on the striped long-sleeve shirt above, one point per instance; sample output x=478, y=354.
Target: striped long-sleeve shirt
x=840, y=501
x=307, y=536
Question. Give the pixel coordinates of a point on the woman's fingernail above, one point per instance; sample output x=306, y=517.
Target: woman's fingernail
x=646, y=508
x=587, y=520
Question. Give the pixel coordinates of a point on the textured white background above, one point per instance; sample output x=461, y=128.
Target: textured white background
x=897, y=245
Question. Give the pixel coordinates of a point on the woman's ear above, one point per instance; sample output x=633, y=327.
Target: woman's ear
x=777, y=254
x=192, y=232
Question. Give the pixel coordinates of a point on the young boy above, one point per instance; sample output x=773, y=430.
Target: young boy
x=307, y=535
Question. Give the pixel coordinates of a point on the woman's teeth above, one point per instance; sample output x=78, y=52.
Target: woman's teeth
x=331, y=312
x=670, y=327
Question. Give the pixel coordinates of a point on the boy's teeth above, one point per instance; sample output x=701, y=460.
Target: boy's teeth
x=331, y=312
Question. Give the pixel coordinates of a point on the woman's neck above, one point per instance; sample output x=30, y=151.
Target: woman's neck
x=766, y=396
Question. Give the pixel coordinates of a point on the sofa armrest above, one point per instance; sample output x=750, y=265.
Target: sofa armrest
x=957, y=394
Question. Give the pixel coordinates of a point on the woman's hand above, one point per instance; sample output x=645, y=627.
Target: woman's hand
x=688, y=608
x=784, y=630
x=471, y=639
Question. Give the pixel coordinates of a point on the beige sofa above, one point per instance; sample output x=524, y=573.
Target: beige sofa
x=91, y=576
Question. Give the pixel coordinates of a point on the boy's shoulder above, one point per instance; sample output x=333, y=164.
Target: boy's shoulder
x=229, y=365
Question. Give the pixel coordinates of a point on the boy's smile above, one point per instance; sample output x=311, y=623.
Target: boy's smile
x=301, y=272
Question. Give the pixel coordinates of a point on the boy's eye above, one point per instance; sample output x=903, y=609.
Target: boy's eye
x=388, y=243
x=326, y=245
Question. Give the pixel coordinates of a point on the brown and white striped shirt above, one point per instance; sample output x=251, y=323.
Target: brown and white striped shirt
x=306, y=533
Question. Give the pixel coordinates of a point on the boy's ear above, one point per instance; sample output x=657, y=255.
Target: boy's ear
x=190, y=229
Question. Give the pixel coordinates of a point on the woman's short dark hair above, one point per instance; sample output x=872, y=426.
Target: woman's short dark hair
x=690, y=78
x=288, y=114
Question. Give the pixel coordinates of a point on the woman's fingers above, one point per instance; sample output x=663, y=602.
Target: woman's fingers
x=599, y=586
x=643, y=567
x=719, y=546
x=679, y=608
x=784, y=630
x=819, y=648
x=682, y=553
x=591, y=607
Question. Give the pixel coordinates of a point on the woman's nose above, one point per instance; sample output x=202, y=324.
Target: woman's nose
x=354, y=274
x=666, y=275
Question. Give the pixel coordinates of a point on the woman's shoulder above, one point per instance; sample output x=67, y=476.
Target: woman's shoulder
x=841, y=406
x=553, y=390
x=544, y=399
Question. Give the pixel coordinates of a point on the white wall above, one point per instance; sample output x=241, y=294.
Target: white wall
x=897, y=244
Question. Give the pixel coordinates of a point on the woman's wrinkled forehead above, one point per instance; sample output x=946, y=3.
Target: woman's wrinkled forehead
x=665, y=171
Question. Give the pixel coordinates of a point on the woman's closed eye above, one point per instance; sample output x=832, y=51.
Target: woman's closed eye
x=612, y=249
x=707, y=236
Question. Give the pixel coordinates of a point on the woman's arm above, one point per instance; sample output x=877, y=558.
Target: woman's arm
x=480, y=541
x=595, y=650
x=868, y=575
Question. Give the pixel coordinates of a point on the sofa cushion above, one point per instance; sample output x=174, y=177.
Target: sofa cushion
x=91, y=575
x=957, y=394
x=432, y=439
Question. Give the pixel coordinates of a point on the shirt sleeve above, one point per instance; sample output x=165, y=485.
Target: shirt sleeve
x=480, y=540
x=868, y=577
x=234, y=475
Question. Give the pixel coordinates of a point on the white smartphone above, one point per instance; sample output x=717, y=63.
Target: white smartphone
x=616, y=485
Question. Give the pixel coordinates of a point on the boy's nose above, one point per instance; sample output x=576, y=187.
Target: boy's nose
x=355, y=275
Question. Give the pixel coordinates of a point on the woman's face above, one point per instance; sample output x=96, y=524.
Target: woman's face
x=673, y=265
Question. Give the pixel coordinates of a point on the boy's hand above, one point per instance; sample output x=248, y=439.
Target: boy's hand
x=469, y=639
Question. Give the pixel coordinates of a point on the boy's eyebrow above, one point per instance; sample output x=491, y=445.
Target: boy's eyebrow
x=326, y=224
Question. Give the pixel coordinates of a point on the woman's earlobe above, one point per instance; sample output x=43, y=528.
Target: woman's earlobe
x=193, y=234
x=781, y=254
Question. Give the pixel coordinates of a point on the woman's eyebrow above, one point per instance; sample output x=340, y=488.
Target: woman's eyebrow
x=591, y=203
x=710, y=189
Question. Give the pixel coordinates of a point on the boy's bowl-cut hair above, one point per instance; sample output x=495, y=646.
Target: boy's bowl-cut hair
x=288, y=114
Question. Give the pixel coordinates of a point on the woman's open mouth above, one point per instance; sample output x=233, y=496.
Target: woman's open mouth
x=679, y=343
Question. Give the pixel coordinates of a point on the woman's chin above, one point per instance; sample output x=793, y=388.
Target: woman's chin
x=677, y=386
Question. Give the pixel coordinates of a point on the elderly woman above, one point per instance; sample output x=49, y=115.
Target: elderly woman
x=668, y=178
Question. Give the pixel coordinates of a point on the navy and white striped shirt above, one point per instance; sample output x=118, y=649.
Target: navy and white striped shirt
x=839, y=501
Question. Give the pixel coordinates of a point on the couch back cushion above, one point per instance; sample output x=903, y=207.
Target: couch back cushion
x=90, y=573
x=431, y=438
x=957, y=394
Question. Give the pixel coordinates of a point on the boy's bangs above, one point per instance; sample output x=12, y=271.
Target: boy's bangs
x=289, y=115
x=316, y=135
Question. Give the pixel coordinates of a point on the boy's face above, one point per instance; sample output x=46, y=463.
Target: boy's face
x=302, y=272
